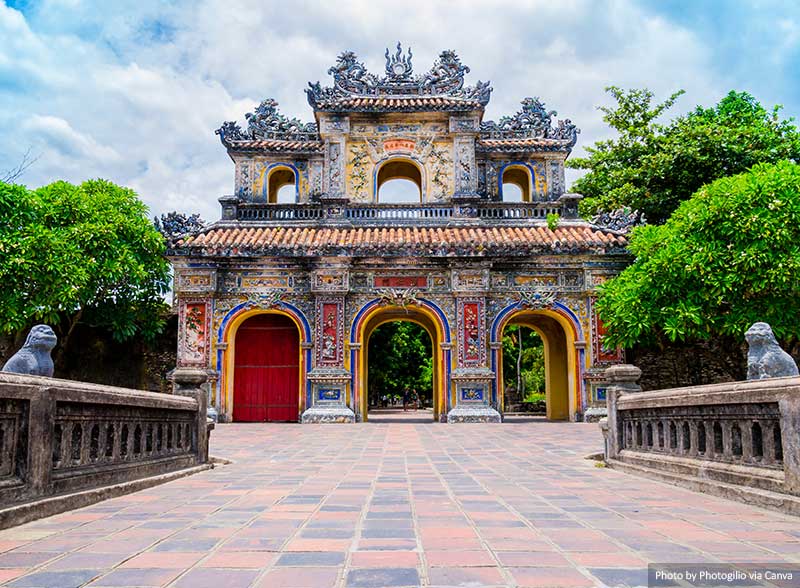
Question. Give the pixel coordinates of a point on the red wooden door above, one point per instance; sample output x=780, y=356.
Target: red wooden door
x=266, y=370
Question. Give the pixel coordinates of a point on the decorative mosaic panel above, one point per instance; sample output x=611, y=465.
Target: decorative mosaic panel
x=471, y=326
x=557, y=181
x=335, y=169
x=400, y=282
x=337, y=281
x=329, y=394
x=599, y=394
x=472, y=394
x=536, y=280
x=602, y=354
x=193, y=336
x=196, y=281
x=330, y=332
x=264, y=282
x=470, y=280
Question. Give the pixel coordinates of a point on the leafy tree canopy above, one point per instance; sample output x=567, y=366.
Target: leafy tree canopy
x=400, y=356
x=85, y=253
x=728, y=257
x=653, y=167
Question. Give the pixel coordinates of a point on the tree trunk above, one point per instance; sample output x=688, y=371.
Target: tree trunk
x=63, y=344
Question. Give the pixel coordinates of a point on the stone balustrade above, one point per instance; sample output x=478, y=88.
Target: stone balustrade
x=744, y=434
x=59, y=436
x=354, y=213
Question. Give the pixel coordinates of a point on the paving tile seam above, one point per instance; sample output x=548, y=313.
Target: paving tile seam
x=584, y=570
x=503, y=571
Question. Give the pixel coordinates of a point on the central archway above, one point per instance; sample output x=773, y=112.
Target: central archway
x=399, y=180
x=376, y=314
x=400, y=370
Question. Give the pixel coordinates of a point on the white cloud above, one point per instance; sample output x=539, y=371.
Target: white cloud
x=133, y=90
x=57, y=134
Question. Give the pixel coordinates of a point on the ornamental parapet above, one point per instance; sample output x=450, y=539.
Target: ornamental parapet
x=366, y=214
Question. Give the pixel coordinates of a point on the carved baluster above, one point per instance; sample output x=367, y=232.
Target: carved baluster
x=58, y=439
x=673, y=437
x=769, y=446
x=747, y=441
x=727, y=439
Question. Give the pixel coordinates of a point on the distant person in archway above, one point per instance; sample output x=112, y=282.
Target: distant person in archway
x=415, y=399
x=406, y=395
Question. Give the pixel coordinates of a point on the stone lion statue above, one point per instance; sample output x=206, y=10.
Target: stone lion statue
x=765, y=358
x=34, y=357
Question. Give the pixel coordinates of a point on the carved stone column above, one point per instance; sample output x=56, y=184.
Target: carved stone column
x=329, y=379
x=465, y=129
x=333, y=130
x=472, y=378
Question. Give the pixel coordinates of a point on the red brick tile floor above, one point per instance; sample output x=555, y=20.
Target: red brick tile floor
x=394, y=504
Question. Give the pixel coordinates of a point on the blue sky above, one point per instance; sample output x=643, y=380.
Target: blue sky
x=133, y=90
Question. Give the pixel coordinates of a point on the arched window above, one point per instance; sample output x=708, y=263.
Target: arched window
x=399, y=180
x=516, y=184
x=281, y=186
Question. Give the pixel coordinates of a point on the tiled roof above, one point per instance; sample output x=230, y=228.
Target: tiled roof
x=246, y=239
x=400, y=104
x=276, y=145
x=523, y=144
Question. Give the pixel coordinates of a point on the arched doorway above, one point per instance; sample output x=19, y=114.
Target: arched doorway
x=266, y=374
x=516, y=184
x=378, y=315
x=281, y=185
x=400, y=369
x=560, y=359
x=399, y=180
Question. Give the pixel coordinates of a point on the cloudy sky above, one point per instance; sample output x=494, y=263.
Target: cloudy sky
x=133, y=90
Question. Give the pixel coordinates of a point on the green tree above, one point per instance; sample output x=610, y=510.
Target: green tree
x=400, y=356
x=653, y=167
x=85, y=253
x=728, y=257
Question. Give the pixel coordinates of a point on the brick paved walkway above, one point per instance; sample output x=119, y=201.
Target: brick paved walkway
x=395, y=504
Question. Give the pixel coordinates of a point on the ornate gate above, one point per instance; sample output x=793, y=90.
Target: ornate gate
x=266, y=370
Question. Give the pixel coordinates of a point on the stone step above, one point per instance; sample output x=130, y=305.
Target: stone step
x=784, y=503
x=753, y=476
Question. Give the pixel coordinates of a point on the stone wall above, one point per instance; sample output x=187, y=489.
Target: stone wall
x=94, y=356
x=706, y=362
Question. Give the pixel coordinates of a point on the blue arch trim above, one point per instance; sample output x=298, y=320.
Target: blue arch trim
x=270, y=167
x=518, y=306
x=524, y=164
x=430, y=305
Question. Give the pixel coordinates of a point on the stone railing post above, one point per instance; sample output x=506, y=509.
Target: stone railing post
x=790, y=439
x=622, y=379
x=40, y=439
x=189, y=382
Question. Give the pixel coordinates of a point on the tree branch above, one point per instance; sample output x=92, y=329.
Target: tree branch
x=11, y=175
